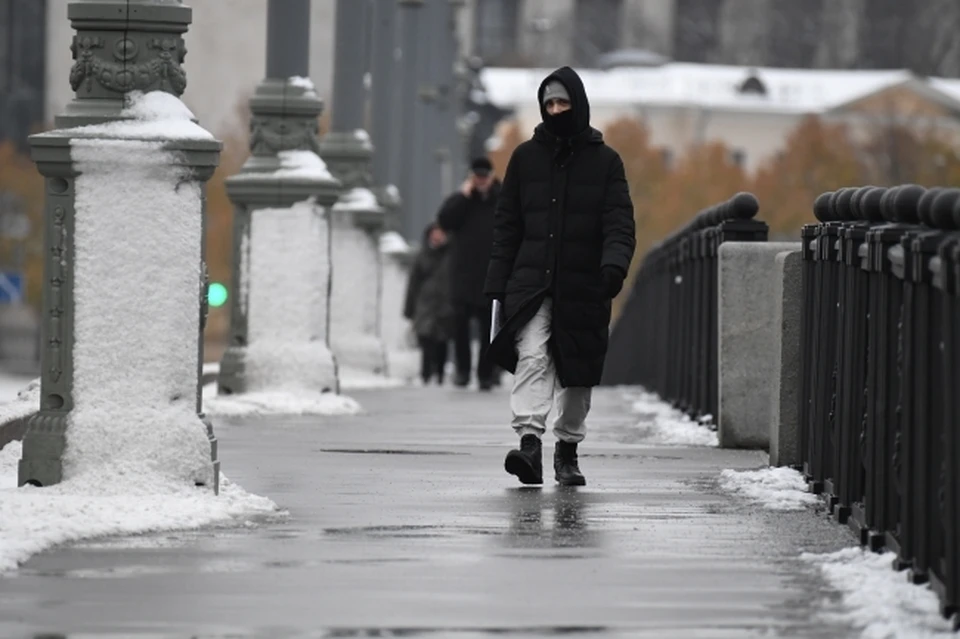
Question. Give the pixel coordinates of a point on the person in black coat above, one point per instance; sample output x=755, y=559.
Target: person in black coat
x=563, y=239
x=468, y=216
x=427, y=302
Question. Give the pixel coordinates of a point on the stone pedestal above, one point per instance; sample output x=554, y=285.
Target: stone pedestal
x=358, y=219
x=283, y=234
x=123, y=296
x=402, y=354
x=785, y=396
x=747, y=284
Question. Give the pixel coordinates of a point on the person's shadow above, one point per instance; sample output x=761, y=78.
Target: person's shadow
x=549, y=518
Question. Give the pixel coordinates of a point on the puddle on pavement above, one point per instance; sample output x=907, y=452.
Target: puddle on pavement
x=387, y=451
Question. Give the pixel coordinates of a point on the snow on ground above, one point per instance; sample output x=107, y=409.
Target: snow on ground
x=663, y=425
x=773, y=488
x=277, y=402
x=876, y=599
x=97, y=504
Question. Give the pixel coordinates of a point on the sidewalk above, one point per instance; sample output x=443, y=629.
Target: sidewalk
x=402, y=518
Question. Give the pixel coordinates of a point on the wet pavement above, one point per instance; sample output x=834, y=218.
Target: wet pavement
x=402, y=523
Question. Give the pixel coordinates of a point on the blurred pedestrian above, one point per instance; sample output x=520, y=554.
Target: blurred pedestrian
x=427, y=302
x=563, y=240
x=468, y=216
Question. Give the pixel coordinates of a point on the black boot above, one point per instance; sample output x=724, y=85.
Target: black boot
x=565, y=465
x=526, y=463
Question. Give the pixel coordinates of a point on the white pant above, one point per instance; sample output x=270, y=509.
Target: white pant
x=536, y=387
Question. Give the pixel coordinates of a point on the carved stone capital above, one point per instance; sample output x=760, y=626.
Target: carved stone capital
x=349, y=156
x=121, y=47
x=284, y=117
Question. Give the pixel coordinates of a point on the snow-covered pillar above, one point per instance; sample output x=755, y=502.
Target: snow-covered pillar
x=358, y=217
x=403, y=356
x=124, y=218
x=279, y=331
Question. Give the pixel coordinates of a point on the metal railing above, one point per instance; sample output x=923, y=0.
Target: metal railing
x=880, y=373
x=666, y=337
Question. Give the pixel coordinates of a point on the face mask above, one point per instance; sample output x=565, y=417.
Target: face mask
x=562, y=124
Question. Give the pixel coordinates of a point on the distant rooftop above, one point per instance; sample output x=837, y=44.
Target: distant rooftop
x=758, y=89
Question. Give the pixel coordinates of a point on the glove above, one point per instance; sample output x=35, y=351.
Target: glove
x=612, y=281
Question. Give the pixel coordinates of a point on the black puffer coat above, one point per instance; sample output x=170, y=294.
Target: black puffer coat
x=564, y=212
x=427, y=301
x=470, y=221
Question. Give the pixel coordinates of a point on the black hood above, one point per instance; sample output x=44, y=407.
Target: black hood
x=578, y=96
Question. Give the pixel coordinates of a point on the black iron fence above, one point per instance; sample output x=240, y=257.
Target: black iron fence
x=880, y=370
x=666, y=338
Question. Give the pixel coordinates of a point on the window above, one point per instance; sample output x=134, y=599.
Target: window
x=666, y=156
x=496, y=29
x=596, y=29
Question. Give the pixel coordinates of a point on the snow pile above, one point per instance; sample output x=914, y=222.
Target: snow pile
x=135, y=364
x=103, y=503
x=357, y=199
x=300, y=82
x=877, y=600
x=392, y=192
x=294, y=165
x=773, y=488
x=352, y=379
x=302, y=164
x=277, y=402
x=287, y=318
x=393, y=242
x=25, y=402
x=156, y=115
x=663, y=425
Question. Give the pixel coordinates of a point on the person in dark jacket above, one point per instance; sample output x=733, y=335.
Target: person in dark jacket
x=427, y=302
x=563, y=239
x=468, y=216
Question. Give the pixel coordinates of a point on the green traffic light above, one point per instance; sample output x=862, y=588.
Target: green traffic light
x=217, y=294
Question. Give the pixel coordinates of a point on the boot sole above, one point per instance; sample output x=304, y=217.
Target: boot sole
x=580, y=481
x=515, y=465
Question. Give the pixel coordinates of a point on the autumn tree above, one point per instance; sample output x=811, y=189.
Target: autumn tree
x=817, y=157
x=509, y=138
x=705, y=175
x=20, y=180
x=905, y=152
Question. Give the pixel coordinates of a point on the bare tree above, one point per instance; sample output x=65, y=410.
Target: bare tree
x=794, y=32
x=696, y=30
x=920, y=35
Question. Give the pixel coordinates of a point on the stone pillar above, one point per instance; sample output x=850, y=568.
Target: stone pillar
x=358, y=217
x=124, y=171
x=402, y=352
x=279, y=332
x=411, y=146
